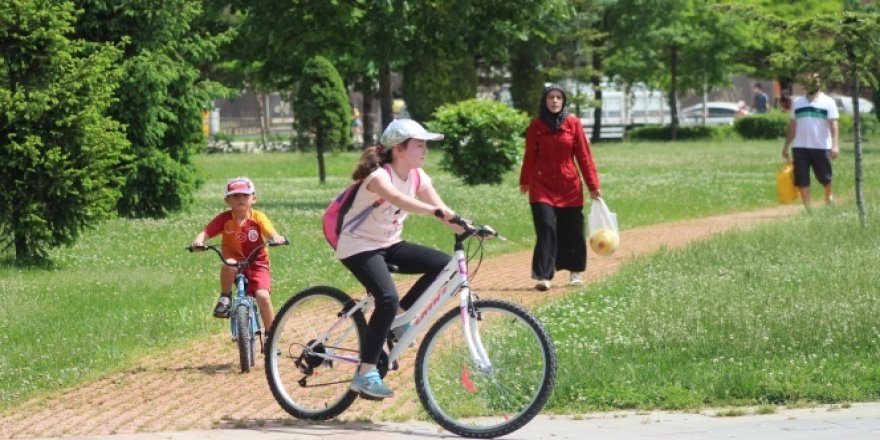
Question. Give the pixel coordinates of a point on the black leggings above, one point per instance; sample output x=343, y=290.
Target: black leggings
x=560, y=242
x=371, y=269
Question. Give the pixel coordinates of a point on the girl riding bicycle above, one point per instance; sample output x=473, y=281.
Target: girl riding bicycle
x=392, y=175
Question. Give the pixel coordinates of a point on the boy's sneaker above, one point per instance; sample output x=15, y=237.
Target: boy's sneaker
x=221, y=310
x=543, y=285
x=370, y=384
x=829, y=201
x=576, y=279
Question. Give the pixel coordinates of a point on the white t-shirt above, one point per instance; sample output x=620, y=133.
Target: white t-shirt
x=383, y=225
x=813, y=128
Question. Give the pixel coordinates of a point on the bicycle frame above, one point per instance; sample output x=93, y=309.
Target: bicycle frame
x=451, y=280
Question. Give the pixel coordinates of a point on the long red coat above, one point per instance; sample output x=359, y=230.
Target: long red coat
x=549, y=165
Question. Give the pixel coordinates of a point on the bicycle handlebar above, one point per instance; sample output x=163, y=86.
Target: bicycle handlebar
x=216, y=249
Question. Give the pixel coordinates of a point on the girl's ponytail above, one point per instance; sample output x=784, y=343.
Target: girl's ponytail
x=373, y=158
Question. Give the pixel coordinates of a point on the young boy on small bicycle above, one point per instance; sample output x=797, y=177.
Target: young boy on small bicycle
x=387, y=172
x=243, y=229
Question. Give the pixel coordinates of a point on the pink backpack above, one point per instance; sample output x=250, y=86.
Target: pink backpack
x=339, y=206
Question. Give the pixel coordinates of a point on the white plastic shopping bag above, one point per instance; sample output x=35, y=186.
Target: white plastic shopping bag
x=604, y=237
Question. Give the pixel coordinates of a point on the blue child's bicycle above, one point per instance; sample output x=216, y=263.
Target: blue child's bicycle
x=244, y=320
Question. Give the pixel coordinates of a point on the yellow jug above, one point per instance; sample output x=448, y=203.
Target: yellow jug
x=785, y=188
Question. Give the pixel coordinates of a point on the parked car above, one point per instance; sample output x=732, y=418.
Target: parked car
x=718, y=113
x=844, y=104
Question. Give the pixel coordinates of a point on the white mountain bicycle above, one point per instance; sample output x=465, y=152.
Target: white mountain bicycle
x=483, y=370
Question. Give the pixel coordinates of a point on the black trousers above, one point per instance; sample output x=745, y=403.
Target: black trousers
x=371, y=269
x=560, y=240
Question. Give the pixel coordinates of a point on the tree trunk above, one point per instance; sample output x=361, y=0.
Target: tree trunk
x=597, y=92
x=857, y=134
x=365, y=86
x=385, y=94
x=673, y=105
x=22, y=252
x=261, y=105
x=319, y=147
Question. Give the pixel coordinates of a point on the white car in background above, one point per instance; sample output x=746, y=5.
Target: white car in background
x=845, y=104
x=717, y=113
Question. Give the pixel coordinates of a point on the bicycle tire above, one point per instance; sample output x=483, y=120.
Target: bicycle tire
x=245, y=339
x=306, y=386
x=471, y=403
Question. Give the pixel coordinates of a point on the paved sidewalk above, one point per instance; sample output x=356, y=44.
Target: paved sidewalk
x=858, y=422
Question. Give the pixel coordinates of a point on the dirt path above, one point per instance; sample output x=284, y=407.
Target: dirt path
x=189, y=388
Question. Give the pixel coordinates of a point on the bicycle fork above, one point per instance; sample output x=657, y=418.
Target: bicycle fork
x=470, y=319
x=250, y=303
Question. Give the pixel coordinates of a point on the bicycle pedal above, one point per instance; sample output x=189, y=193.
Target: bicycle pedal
x=368, y=397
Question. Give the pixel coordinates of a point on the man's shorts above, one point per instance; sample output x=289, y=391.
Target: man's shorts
x=818, y=159
x=258, y=278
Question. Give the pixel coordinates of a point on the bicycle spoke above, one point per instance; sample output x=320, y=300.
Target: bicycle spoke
x=470, y=401
x=298, y=330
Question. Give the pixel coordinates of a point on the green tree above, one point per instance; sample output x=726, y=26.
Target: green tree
x=678, y=45
x=367, y=40
x=321, y=108
x=161, y=95
x=759, y=46
x=63, y=157
x=578, y=54
x=436, y=80
x=452, y=40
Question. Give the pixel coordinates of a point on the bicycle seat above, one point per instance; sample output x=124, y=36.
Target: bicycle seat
x=393, y=268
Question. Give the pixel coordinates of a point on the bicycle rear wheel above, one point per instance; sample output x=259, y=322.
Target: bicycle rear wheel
x=245, y=338
x=485, y=404
x=303, y=380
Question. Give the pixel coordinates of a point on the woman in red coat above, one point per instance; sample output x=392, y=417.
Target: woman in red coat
x=555, y=149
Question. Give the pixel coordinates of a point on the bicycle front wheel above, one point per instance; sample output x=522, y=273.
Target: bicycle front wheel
x=245, y=338
x=489, y=402
x=312, y=353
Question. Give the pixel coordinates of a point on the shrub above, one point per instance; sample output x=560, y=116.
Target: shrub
x=870, y=125
x=664, y=133
x=770, y=125
x=483, y=139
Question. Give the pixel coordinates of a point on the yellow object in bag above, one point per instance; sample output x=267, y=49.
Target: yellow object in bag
x=785, y=188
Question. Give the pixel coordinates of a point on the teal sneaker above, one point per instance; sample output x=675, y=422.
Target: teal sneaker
x=370, y=384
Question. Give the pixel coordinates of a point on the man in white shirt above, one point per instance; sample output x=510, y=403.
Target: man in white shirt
x=814, y=136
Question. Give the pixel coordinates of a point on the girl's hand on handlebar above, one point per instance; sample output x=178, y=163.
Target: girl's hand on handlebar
x=197, y=247
x=454, y=221
x=444, y=214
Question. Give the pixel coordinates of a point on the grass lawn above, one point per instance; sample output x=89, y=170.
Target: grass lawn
x=128, y=288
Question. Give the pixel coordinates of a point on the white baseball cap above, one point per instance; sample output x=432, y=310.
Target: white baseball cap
x=400, y=130
x=240, y=185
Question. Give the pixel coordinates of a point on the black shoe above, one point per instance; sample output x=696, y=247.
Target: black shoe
x=221, y=310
